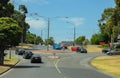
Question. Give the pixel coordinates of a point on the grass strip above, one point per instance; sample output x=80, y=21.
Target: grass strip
x=110, y=64
x=8, y=63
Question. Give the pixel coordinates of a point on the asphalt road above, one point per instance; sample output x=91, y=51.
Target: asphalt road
x=69, y=65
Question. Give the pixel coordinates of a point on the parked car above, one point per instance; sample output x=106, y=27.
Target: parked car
x=27, y=55
x=114, y=52
x=74, y=48
x=36, y=58
x=19, y=51
x=57, y=47
x=5, y=54
x=64, y=46
x=105, y=50
x=81, y=50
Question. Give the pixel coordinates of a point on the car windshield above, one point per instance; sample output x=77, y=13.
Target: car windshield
x=36, y=55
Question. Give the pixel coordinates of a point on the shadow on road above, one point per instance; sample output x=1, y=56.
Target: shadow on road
x=25, y=66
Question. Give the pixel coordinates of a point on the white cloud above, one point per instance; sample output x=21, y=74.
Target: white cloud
x=38, y=2
x=77, y=21
x=41, y=2
x=36, y=24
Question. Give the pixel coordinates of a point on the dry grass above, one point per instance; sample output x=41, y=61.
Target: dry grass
x=93, y=48
x=25, y=46
x=8, y=63
x=110, y=64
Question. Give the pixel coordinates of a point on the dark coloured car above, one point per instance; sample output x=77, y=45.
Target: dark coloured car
x=36, y=58
x=114, y=52
x=19, y=51
x=105, y=50
x=27, y=55
x=5, y=54
x=81, y=50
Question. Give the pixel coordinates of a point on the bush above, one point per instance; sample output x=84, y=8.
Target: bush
x=117, y=46
x=105, y=45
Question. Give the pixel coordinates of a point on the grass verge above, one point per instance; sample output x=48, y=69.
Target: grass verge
x=110, y=64
x=93, y=48
x=8, y=63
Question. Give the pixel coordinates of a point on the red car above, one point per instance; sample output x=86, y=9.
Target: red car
x=74, y=48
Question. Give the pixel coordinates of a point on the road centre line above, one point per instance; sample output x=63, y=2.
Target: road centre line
x=56, y=66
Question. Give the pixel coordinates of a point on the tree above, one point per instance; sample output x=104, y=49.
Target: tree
x=49, y=41
x=39, y=40
x=9, y=35
x=23, y=10
x=32, y=38
x=109, y=22
x=18, y=16
x=85, y=42
x=6, y=8
x=80, y=40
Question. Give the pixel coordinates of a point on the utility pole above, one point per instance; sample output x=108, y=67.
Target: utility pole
x=74, y=35
x=48, y=34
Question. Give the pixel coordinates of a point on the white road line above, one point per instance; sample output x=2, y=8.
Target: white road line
x=56, y=66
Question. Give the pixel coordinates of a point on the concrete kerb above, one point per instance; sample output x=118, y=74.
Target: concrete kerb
x=10, y=67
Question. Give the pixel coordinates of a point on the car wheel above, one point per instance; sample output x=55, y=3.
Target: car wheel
x=110, y=54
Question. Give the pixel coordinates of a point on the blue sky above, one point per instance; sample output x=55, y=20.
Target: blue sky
x=83, y=14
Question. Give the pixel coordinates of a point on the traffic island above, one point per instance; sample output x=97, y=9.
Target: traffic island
x=54, y=57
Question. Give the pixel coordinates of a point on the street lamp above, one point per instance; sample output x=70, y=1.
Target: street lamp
x=48, y=34
x=74, y=32
x=48, y=20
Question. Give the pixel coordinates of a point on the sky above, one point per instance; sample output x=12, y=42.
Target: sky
x=64, y=15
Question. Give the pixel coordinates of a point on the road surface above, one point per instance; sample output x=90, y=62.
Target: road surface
x=68, y=65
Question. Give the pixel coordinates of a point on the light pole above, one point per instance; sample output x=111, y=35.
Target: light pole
x=74, y=33
x=48, y=34
x=48, y=21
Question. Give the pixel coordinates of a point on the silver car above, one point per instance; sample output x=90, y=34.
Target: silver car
x=114, y=52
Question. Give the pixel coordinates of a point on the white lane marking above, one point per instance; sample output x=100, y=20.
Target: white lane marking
x=56, y=66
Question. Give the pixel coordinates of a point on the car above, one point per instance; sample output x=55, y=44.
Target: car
x=64, y=46
x=27, y=55
x=74, y=48
x=105, y=50
x=81, y=50
x=19, y=51
x=57, y=47
x=5, y=54
x=36, y=58
x=114, y=52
